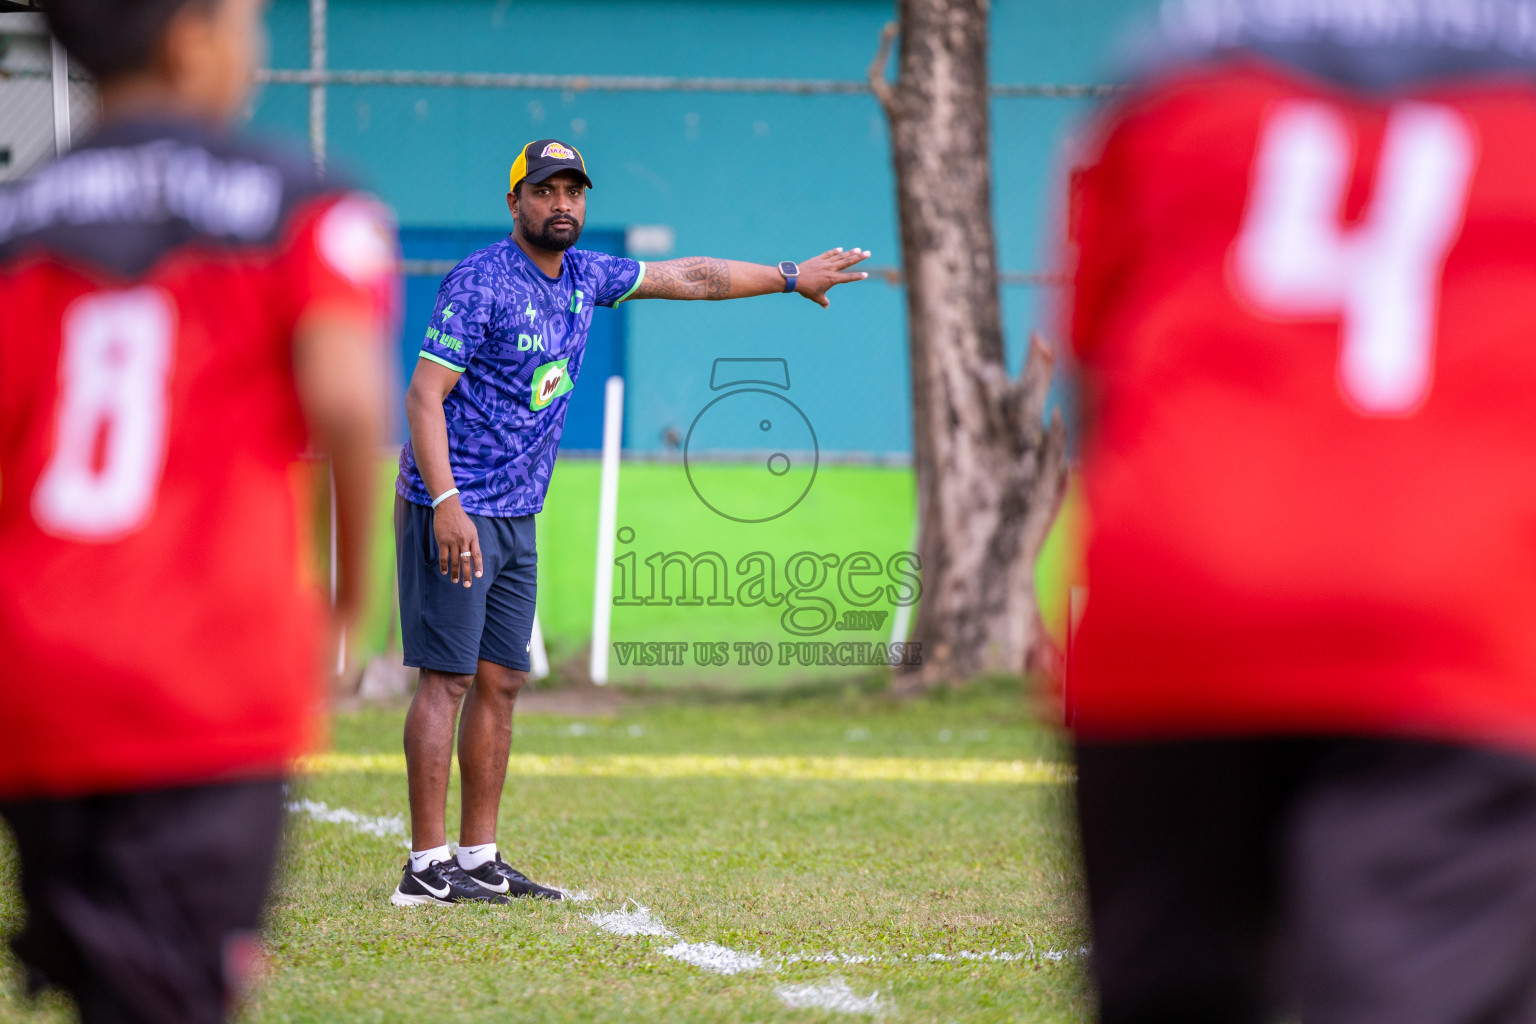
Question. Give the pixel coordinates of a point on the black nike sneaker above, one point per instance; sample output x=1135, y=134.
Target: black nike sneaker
x=497, y=877
x=441, y=882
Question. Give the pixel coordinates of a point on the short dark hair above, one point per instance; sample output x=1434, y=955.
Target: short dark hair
x=111, y=38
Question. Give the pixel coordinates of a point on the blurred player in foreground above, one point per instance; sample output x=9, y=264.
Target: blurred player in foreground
x=1305, y=681
x=176, y=308
x=487, y=405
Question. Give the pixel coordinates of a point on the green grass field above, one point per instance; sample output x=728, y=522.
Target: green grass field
x=858, y=857
x=919, y=853
x=849, y=509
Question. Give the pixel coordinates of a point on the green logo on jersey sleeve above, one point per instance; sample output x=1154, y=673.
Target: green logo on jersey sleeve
x=550, y=381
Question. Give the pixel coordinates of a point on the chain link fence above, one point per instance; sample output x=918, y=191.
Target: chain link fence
x=423, y=138
x=377, y=94
x=405, y=101
x=33, y=128
x=37, y=119
x=431, y=131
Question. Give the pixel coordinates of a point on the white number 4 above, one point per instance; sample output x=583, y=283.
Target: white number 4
x=1381, y=277
x=109, y=431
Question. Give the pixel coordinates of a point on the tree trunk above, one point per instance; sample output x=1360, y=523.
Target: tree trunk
x=990, y=472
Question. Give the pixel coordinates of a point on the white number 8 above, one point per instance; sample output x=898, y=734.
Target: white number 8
x=109, y=434
x=1381, y=277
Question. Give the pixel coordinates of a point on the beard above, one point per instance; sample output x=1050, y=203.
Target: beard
x=555, y=234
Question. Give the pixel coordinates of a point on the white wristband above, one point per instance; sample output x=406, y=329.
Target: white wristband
x=450, y=492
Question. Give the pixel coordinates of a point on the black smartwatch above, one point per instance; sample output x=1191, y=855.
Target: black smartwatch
x=791, y=271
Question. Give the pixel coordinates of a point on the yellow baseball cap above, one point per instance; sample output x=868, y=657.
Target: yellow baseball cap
x=542, y=159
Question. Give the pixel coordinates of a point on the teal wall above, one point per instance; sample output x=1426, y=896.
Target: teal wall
x=754, y=177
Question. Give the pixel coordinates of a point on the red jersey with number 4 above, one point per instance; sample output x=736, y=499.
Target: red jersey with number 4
x=156, y=623
x=1306, y=310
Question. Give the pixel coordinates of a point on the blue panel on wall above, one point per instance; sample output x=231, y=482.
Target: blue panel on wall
x=605, y=344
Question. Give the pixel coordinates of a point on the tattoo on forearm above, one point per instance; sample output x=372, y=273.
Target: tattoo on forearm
x=692, y=277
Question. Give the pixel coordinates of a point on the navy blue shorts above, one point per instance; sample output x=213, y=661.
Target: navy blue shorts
x=448, y=627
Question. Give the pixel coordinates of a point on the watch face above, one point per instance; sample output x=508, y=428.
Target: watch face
x=789, y=269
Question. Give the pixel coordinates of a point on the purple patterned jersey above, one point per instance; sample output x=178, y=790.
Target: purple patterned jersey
x=517, y=337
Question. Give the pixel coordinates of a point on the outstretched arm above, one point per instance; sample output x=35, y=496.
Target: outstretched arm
x=705, y=277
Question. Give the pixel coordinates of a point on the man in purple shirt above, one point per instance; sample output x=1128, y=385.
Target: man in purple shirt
x=486, y=406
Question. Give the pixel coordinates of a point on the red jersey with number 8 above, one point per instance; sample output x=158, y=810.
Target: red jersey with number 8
x=157, y=623
x=1305, y=260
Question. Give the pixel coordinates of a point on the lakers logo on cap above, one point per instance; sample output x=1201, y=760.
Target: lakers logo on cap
x=544, y=158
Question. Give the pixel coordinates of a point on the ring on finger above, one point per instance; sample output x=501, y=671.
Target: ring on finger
x=466, y=554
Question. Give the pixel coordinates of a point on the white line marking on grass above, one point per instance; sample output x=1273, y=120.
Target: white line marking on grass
x=639, y=921
x=576, y=895
x=996, y=956
x=713, y=957
x=833, y=995
x=389, y=827
x=635, y=920
x=709, y=956
x=990, y=955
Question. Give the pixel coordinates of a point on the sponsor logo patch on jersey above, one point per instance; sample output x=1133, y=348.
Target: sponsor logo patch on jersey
x=558, y=151
x=550, y=381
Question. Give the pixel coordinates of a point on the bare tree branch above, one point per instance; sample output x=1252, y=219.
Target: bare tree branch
x=877, y=80
x=1039, y=367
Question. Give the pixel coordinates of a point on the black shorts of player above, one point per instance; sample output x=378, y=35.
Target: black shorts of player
x=144, y=905
x=1334, y=881
x=448, y=627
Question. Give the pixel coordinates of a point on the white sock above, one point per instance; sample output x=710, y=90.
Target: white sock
x=471, y=857
x=421, y=858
